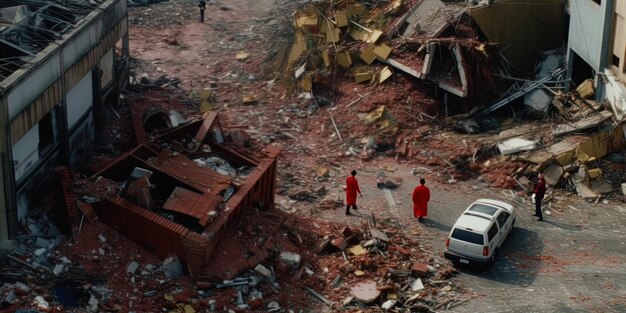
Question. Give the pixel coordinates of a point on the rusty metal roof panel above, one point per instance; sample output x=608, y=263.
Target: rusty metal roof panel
x=192, y=204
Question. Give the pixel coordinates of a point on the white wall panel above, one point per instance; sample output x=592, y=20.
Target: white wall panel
x=586, y=28
x=29, y=89
x=26, y=152
x=106, y=65
x=79, y=100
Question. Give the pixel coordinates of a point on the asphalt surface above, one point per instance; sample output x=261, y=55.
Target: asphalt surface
x=574, y=261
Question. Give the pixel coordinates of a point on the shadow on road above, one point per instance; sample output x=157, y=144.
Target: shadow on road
x=563, y=226
x=430, y=223
x=517, y=263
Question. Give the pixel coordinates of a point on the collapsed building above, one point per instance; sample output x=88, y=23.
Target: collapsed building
x=62, y=63
x=487, y=65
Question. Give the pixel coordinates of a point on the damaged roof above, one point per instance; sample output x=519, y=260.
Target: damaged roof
x=28, y=28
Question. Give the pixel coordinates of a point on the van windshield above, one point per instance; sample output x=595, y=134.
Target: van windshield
x=468, y=236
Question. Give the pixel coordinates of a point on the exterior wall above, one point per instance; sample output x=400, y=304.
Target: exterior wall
x=586, y=30
x=619, y=39
x=61, y=79
x=26, y=152
x=79, y=100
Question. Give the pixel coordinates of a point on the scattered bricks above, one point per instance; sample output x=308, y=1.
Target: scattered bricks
x=420, y=269
x=401, y=250
x=185, y=296
x=255, y=304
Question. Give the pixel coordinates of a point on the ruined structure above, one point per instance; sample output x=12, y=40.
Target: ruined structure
x=59, y=70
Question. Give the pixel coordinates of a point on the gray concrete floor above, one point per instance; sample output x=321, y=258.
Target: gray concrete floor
x=574, y=261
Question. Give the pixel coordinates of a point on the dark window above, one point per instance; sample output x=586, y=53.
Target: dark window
x=599, y=2
x=486, y=209
x=468, y=236
x=492, y=232
x=46, y=133
x=502, y=218
x=615, y=61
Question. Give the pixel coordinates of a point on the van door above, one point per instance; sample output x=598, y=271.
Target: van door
x=493, y=236
x=504, y=222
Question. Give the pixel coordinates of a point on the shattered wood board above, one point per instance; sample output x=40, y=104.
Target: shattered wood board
x=564, y=150
x=209, y=118
x=587, y=122
x=600, y=145
x=539, y=157
x=382, y=51
x=368, y=55
x=379, y=234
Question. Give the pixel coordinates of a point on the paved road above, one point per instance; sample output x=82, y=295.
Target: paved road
x=574, y=261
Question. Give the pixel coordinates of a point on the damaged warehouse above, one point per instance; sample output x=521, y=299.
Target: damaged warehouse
x=168, y=164
x=60, y=71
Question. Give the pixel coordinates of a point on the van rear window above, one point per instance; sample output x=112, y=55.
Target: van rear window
x=468, y=236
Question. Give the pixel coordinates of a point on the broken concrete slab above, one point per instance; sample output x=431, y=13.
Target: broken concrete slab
x=387, y=305
x=417, y=285
x=264, y=271
x=587, y=122
x=172, y=267
x=293, y=259
x=365, y=292
x=553, y=174
x=515, y=145
x=132, y=267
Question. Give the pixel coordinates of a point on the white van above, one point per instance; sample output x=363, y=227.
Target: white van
x=478, y=234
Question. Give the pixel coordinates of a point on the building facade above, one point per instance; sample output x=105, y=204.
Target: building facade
x=597, y=49
x=62, y=64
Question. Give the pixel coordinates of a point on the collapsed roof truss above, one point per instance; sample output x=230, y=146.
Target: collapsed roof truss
x=39, y=24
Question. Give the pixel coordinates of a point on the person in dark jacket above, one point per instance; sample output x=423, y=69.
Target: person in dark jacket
x=202, y=6
x=540, y=192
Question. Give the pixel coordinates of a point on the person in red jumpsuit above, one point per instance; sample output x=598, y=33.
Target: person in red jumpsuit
x=421, y=196
x=352, y=188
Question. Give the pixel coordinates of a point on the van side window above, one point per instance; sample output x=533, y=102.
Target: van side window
x=502, y=218
x=492, y=232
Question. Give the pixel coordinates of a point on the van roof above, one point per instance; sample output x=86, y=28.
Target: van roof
x=476, y=223
x=497, y=203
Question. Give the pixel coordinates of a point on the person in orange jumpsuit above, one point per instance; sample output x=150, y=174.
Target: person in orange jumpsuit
x=421, y=196
x=352, y=188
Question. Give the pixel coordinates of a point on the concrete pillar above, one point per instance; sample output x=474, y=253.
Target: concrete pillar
x=8, y=207
x=609, y=8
